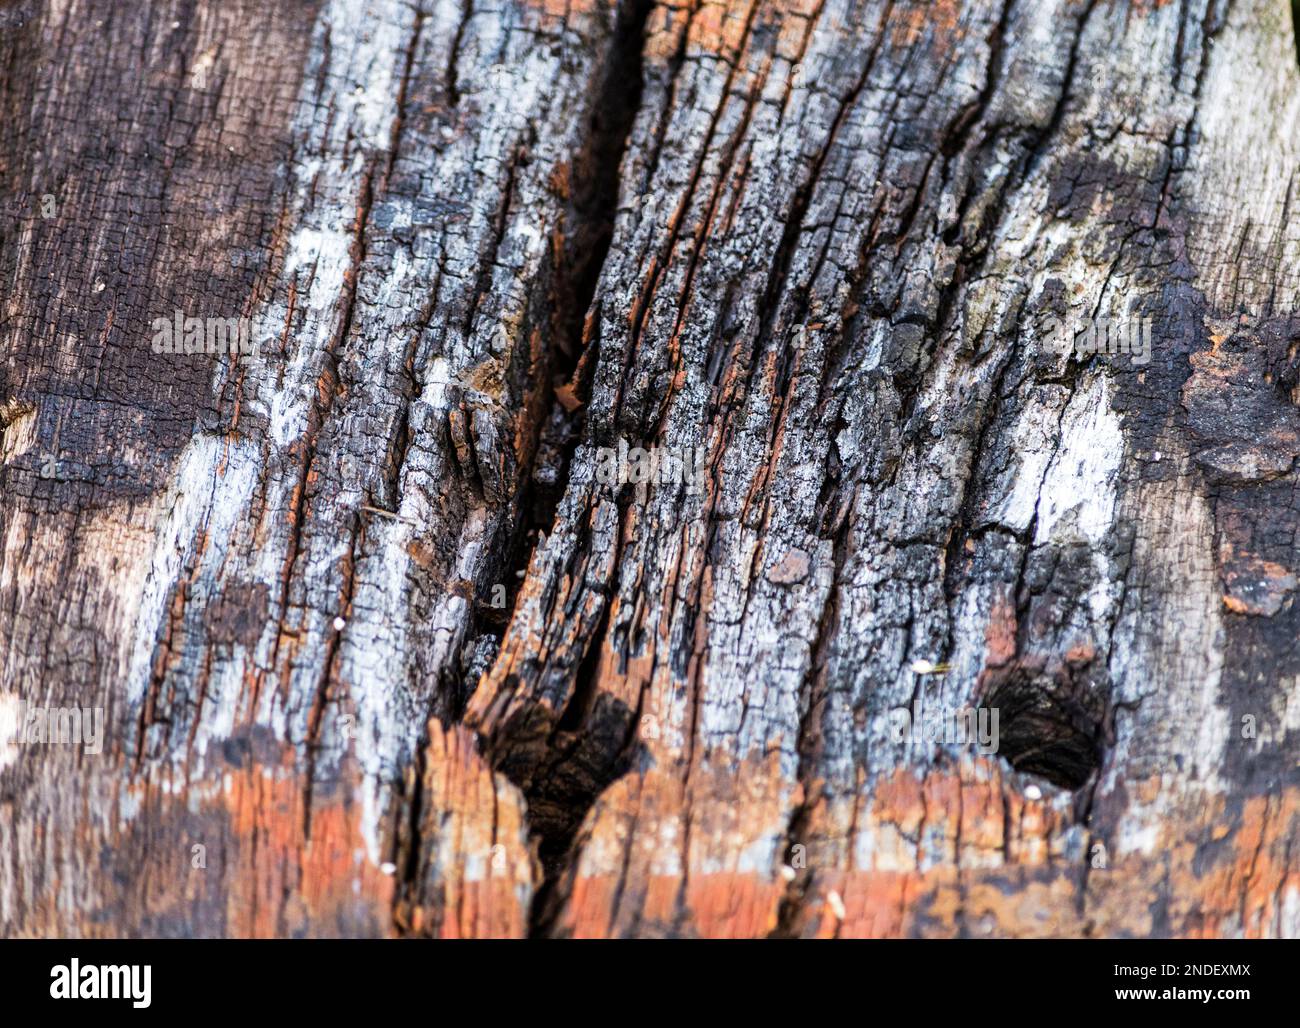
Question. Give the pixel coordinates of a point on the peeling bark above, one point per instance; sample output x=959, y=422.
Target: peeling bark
x=381, y=647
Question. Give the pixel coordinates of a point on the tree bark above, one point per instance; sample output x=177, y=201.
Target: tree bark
x=380, y=648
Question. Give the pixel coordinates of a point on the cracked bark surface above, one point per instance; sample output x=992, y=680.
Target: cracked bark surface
x=368, y=627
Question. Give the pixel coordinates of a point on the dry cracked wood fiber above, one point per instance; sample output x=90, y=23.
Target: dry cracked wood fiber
x=380, y=648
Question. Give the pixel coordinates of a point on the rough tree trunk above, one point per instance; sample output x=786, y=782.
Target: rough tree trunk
x=379, y=652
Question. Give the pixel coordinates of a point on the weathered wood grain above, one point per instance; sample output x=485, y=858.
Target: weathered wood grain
x=371, y=628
